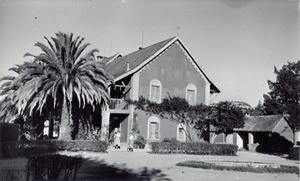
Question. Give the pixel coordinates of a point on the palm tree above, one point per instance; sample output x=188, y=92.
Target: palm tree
x=57, y=78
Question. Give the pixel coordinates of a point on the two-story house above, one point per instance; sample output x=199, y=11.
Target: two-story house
x=154, y=72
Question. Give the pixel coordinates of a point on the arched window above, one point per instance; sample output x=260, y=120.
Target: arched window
x=191, y=94
x=181, y=132
x=155, y=91
x=46, y=128
x=153, y=128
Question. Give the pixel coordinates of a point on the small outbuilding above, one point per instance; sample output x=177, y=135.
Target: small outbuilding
x=270, y=133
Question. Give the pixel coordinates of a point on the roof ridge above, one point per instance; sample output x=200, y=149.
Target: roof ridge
x=169, y=39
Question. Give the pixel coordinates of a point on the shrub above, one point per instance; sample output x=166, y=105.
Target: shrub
x=36, y=147
x=10, y=175
x=197, y=148
x=294, y=153
x=81, y=145
x=9, y=132
x=52, y=167
x=14, y=149
x=139, y=142
x=240, y=168
x=169, y=140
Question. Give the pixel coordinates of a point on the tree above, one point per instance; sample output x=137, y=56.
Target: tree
x=284, y=96
x=228, y=115
x=56, y=80
x=258, y=110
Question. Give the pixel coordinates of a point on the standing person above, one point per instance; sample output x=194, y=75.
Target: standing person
x=117, y=139
x=130, y=142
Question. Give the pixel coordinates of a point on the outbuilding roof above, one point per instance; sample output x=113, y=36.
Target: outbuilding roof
x=261, y=123
x=133, y=62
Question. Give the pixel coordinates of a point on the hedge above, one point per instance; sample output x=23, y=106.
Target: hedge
x=9, y=132
x=197, y=148
x=37, y=147
x=240, y=168
x=53, y=167
x=294, y=153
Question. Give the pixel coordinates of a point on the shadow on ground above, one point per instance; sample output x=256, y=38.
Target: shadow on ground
x=99, y=170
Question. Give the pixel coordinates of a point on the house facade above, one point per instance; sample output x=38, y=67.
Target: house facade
x=154, y=72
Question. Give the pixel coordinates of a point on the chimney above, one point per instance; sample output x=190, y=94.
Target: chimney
x=140, y=48
x=128, y=67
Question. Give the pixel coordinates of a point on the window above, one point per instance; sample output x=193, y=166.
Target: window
x=181, y=132
x=155, y=91
x=153, y=128
x=191, y=94
x=46, y=128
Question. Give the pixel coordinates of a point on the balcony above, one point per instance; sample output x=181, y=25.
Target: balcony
x=118, y=105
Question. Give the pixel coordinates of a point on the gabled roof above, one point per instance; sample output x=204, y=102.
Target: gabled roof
x=140, y=58
x=111, y=58
x=261, y=123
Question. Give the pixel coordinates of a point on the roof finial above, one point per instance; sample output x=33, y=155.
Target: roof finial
x=178, y=27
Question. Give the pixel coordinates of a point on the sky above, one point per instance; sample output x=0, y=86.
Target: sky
x=236, y=42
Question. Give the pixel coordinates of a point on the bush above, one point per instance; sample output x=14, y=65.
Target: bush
x=197, y=148
x=82, y=145
x=52, y=167
x=10, y=175
x=14, y=149
x=139, y=142
x=169, y=140
x=240, y=168
x=9, y=132
x=37, y=147
x=294, y=153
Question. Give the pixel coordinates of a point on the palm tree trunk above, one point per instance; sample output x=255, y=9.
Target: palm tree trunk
x=64, y=128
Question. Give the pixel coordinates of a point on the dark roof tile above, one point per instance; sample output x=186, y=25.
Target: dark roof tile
x=119, y=66
x=260, y=123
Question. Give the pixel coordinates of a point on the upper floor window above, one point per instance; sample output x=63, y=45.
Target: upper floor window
x=191, y=94
x=155, y=91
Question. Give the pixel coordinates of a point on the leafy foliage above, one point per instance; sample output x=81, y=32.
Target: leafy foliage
x=284, y=96
x=258, y=110
x=139, y=142
x=53, y=166
x=9, y=132
x=197, y=148
x=224, y=115
x=294, y=153
x=57, y=79
x=13, y=149
x=249, y=167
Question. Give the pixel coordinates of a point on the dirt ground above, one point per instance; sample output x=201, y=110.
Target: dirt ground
x=140, y=165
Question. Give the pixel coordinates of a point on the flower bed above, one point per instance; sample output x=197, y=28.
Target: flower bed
x=241, y=167
x=197, y=148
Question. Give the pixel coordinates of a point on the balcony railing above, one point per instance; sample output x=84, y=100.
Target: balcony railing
x=118, y=104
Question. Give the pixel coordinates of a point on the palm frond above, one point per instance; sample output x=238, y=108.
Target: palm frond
x=7, y=78
x=46, y=49
x=80, y=50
